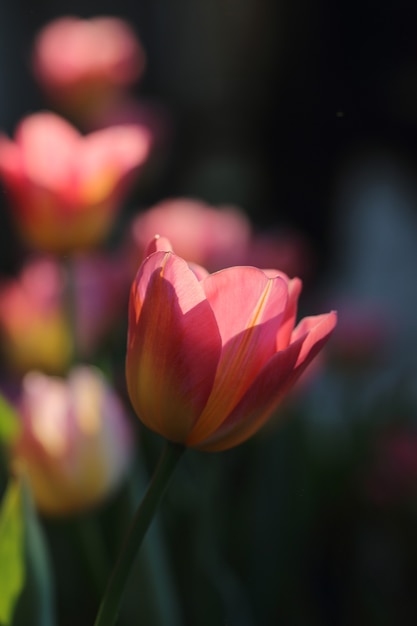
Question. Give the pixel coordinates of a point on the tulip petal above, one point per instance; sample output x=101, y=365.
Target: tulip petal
x=249, y=307
x=48, y=144
x=173, y=346
x=198, y=270
x=287, y=325
x=107, y=156
x=313, y=328
x=272, y=383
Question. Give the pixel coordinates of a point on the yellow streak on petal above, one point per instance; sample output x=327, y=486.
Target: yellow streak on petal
x=164, y=262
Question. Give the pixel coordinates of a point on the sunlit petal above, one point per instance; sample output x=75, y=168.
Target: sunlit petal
x=271, y=384
x=249, y=308
x=288, y=322
x=173, y=345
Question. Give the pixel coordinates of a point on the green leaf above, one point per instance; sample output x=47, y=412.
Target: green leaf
x=12, y=570
x=9, y=422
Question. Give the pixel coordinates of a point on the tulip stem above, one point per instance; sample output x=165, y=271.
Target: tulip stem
x=110, y=603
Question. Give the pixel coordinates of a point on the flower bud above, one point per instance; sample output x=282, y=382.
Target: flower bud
x=76, y=443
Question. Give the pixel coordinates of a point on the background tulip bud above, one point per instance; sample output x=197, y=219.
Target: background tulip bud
x=76, y=443
x=33, y=325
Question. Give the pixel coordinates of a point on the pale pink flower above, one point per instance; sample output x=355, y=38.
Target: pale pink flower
x=76, y=443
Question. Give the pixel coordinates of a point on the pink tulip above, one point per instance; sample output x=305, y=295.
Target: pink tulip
x=33, y=324
x=82, y=64
x=214, y=238
x=66, y=189
x=34, y=320
x=210, y=356
x=76, y=443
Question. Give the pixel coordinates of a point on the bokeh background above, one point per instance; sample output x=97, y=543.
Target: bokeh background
x=304, y=115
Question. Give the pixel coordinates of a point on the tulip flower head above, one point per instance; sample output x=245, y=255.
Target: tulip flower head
x=75, y=444
x=33, y=324
x=82, y=64
x=210, y=356
x=34, y=321
x=65, y=189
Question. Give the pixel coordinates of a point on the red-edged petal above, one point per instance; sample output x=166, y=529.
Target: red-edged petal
x=173, y=346
x=272, y=383
x=248, y=307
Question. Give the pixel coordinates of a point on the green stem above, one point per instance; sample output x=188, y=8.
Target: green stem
x=110, y=604
x=154, y=562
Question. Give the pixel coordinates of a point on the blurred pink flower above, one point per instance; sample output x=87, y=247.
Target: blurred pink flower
x=199, y=233
x=34, y=321
x=34, y=328
x=211, y=356
x=76, y=443
x=65, y=189
x=82, y=64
